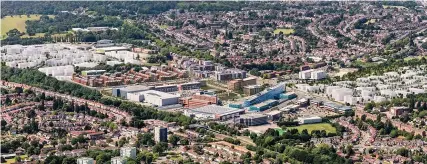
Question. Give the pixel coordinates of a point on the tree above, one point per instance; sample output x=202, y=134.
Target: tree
x=174, y=139
x=13, y=33
x=393, y=134
x=160, y=147
x=184, y=142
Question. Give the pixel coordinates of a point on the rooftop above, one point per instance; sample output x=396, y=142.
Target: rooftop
x=215, y=109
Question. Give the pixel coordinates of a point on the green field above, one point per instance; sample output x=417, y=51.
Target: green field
x=412, y=57
x=286, y=31
x=9, y=161
x=164, y=26
x=321, y=126
x=10, y=22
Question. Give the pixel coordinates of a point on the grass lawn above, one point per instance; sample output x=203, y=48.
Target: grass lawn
x=10, y=22
x=9, y=161
x=364, y=64
x=286, y=31
x=412, y=57
x=228, y=96
x=321, y=126
x=164, y=26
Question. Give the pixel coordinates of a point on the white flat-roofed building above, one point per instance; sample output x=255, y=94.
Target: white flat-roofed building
x=159, y=98
x=128, y=152
x=309, y=120
x=85, y=160
x=416, y=91
x=388, y=93
x=339, y=93
x=379, y=99
x=318, y=74
x=305, y=74
x=214, y=112
x=118, y=160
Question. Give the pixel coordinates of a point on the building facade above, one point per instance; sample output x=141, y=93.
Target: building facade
x=160, y=134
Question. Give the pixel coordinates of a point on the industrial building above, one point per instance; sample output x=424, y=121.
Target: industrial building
x=160, y=134
x=309, y=120
x=154, y=97
x=128, y=152
x=122, y=92
x=214, y=112
x=252, y=89
x=85, y=160
x=253, y=119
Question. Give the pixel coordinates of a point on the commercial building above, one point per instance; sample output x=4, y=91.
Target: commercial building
x=118, y=160
x=309, y=120
x=160, y=134
x=128, y=152
x=189, y=86
x=270, y=93
x=166, y=88
x=154, y=97
x=85, y=160
x=122, y=92
x=397, y=111
x=199, y=100
x=252, y=89
x=214, y=112
x=274, y=115
x=263, y=105
x=253, y=119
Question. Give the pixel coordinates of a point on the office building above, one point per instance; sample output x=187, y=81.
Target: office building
x=241, y=83
x=160, y=134
x=304, y=75
x=128, y=152
x=85, y=160
x=318, y=75
x=270, y=93
x=253, y=119
x=229, y=74
x=118, y=160
x=199, y=100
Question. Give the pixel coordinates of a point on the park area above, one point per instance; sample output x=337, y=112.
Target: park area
x=320, y=126
x=285, y=31
x=17, y=21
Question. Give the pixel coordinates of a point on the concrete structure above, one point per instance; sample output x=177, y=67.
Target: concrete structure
x=199, y=100
x=240, y=83
x=118, y=160
x=159, y=98
x=318, y=75
x=274, y=115
x=305, y=74
x=85, y=160
x=263, y=105
x=309, y=120
x=397, y=111
x=160, y=134
x=252, y=89
x=269, y=93
x=253, y=119
x=128, y=152
x=229, y=74
x=122, y=92
x=214, y=112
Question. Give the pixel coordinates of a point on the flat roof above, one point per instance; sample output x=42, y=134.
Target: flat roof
x=310, y=117
x=265, y=103
x=274, y=112
x=215, y=109
x=160, y=94
x=135, y=88
x=112, y=48
x=252, y=115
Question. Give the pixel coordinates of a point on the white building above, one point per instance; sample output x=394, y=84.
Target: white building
x=309, y=120
x=305, y=74
x=118, y=160
x=160, y=134
x=85, y=160
x=128, y=152
x=160, y=98
x=318, y=74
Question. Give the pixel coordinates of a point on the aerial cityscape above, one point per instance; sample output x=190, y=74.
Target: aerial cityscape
x=237, y=82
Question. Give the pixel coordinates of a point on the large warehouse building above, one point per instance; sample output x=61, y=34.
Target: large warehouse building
x=122, y=92
x=214, y=112
x=154, y=97
x=253, y=119
x=309, y=120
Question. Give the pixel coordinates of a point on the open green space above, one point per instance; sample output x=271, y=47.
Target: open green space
x=18, y=21
x=364, y=64
x=286, y=31
x=164, y=26
x=320, y=126
x=13, y=160
x=412, y=57
x=228, y=96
